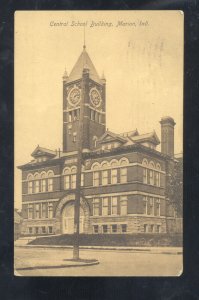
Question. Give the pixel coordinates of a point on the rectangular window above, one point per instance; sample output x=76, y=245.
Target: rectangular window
x=114, y=228
x=73, y=181
x=145, y=228
x=152, y=228
x=43, y=185
x=144, y=175
x=114, y=205
x=30, y=230
x=96, y=178
x=75, y=114
x=151, y=177
x=151, y=206
x=114, y=176
x=36, y=230
x=95, y=229
x=158, y=228
x=50, y=229
x=104, y=228
x=104, y=177
x=105, y=206
x=43, y=229
x=74, y=137
x=158, y=207
x=123, y=228
x=82, y=179
x=30, y=189
x=96, y=207
x=145, y=211
x=96, y=116
x=50, y=210
x=43, y=211
x=30, y=211
x=78, y=114
x=37, y=211
x=123, y=175
x=123, y=205
x=67, y=182
x=70, y=117
x=69, y=129
x=92, y=115
x=158, y=179
x=37, y=186
x=50, y=184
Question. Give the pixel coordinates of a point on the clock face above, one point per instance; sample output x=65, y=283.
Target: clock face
x=74, y=96
x=95, y=97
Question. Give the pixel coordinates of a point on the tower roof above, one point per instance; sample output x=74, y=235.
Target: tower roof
x=84, y=60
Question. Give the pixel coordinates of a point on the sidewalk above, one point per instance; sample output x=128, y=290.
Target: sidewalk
x=153, y=250
x=34, y=264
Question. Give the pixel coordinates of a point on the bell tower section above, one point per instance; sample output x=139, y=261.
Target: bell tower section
x=94, y=119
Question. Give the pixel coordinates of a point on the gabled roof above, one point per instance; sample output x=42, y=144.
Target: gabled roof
x=109, y=136
x=147, y=137
x=39, y=151
x=84, y=60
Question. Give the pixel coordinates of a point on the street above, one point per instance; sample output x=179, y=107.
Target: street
x=112, y=263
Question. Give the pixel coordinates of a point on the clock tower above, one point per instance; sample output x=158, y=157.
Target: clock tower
x=83, y=79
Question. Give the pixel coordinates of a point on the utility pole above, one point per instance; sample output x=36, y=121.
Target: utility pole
x=79, y=167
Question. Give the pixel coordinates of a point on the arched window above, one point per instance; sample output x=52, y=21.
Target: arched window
x=104, y=165
x=145, y=162
x=96, y=174
x=66, y=171
x=95, y=141
x=95, y=166
x=123, y=171
x=30, y=183
x=145, y=171
x=157, y=175
x=30, y=177
x=50, y=173
x=158, y=167
x=124, y=161
x=43, y=182
x=36, y=176
x=114, y=163
x=73, y=169
x=50, y=181
x=36, y=183
x=151, y=165
x=73, y=177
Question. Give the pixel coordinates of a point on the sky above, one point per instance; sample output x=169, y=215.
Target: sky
x=142, y=59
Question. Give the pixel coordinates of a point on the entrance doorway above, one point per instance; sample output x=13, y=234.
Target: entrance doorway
x=68, y=219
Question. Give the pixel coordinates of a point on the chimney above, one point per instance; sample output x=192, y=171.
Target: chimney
x=167, y=136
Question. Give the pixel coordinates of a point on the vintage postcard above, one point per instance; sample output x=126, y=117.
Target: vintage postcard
x=98, y=143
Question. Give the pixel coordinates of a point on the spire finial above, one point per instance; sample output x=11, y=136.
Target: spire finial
x=84, y=46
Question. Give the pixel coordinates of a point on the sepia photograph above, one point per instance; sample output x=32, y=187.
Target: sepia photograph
x=98, y=104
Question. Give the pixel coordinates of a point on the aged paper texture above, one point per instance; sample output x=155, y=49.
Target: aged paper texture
x=98, y=143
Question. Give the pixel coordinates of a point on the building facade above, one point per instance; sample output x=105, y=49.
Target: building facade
x=124, y=178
